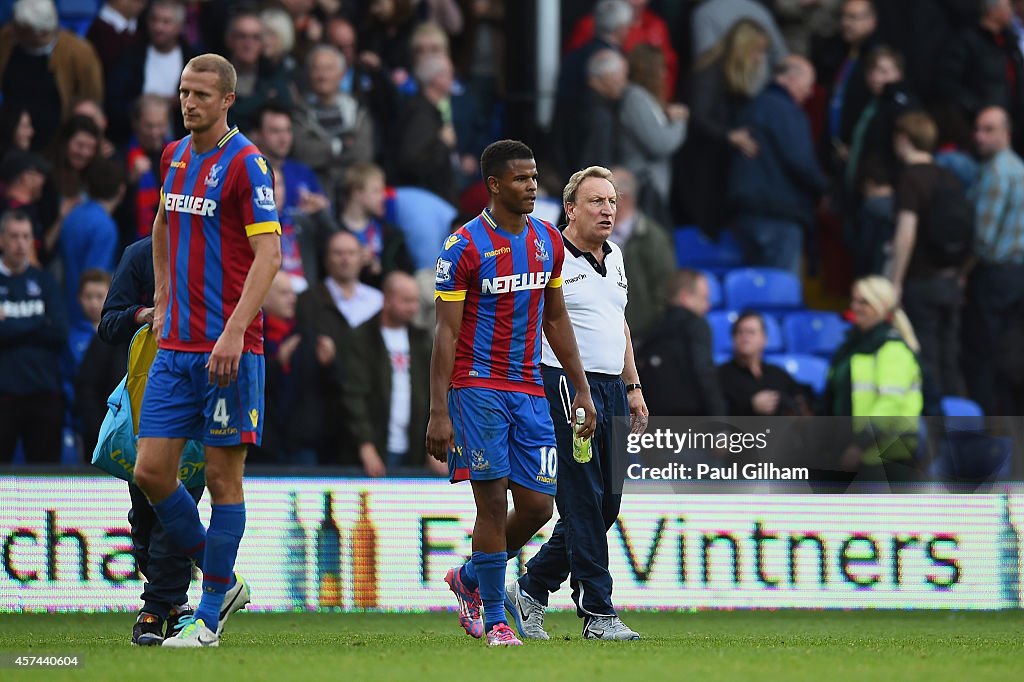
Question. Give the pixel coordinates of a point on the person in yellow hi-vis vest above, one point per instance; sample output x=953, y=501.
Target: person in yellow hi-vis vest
x=876, y=379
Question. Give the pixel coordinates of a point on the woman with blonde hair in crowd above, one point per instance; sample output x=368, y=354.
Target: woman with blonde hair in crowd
x=724, y=79
x=876, y=379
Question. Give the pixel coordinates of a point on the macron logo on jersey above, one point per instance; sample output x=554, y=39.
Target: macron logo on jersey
x=519, y=282
x=186, y=203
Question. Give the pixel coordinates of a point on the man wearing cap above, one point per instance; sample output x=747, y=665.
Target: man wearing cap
x=595, y=287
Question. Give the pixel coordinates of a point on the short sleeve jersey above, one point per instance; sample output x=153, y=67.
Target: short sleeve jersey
x=214, y=202
x=502, y=278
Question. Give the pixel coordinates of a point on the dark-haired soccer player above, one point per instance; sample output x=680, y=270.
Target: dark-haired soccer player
x=216, y=249
x=498, y=287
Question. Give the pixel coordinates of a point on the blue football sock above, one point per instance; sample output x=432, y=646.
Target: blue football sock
x=467, y=574
x=490, y=570
x=180, y=518
x=227, y=524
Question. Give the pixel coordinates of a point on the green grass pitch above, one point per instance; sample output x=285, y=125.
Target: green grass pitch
x=895, y=646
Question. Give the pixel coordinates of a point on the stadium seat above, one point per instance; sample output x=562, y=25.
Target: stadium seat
x=763, y=288
x=714, y=290
x=425, y=219
x=694, y=249
x=806, y=369
x=814, y=332
x=962, y=414
x=721, y=322
x=77, y=15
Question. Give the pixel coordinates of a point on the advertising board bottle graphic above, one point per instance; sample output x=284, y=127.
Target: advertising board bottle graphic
x=295, y=556
x=328, y=557
x=1009, y=558
x=364, y=557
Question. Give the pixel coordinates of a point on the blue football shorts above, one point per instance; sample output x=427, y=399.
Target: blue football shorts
x=180, y=401
x=501, y=434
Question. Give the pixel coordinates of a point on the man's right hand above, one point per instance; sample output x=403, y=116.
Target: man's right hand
x=373, y=465
x=765, y=402
x=157, y=323
x=440, y=436
x=144, y=315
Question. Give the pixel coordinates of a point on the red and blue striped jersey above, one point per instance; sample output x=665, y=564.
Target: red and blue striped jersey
x=502, y=278
x=214, y=202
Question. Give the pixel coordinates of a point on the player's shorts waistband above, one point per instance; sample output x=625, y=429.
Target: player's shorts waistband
x=593, y=376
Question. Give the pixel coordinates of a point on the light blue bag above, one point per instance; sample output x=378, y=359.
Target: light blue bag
x=116, y=450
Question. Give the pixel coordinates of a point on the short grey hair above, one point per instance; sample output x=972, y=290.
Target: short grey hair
x=605, y=62
x=38, y=15
x=611, y=16
x=324, y=48
x=175, y=5
x=577, y=178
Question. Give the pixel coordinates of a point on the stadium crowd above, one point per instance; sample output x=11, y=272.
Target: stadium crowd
x=836, y=139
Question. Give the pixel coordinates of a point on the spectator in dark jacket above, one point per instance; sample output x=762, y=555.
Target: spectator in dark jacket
x=724, y=80
x=751, y=386
x=115, y=31
x=841, y=65
x=427, y=138
x=129, y=303
x=386, y=397
x=675, y=363
x=33, y=329
x=259, y=81
x=872, y=134
x=774, y=192
x=152, y=66
x=612, y=20
x=982, y=65
x=294, y=413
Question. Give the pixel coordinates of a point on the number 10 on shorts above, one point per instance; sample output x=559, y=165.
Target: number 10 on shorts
x=549, y=462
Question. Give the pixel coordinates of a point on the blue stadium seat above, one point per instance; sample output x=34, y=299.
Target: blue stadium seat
x=77, y=15
x=763, y=288
x=806, y=369
x=814, y=332
x=962, y=414
x=721, y=322
x=714, y=290
x=426, y=220
x=694, y=249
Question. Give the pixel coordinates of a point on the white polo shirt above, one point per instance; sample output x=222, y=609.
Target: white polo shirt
x=595, y=296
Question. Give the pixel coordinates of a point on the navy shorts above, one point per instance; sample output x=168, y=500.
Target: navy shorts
x=180, y=401
x=501, y=434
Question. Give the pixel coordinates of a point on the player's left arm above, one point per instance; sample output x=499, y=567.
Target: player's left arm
x=227, y=352
x=254, y=189
x=559, y=332
x=638, y=413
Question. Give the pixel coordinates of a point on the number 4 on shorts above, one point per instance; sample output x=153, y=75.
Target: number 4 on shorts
x=220, y=413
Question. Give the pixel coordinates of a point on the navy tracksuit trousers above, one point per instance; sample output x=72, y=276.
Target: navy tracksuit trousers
x=587, y=506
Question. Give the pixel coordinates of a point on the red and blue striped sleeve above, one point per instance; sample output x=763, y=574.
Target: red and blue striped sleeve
x=255, y=188
x=455, y=268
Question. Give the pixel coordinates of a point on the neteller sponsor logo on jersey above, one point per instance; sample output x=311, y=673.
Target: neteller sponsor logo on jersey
x=518, y=282
x=186, y=203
